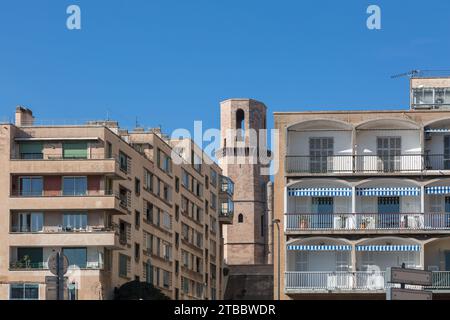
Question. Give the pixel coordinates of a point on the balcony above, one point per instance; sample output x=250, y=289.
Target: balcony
x=367, y=164
x=51, y=237
x=360, y=281
x=106, y=201
x=37, y=266
x=59, y=165
x=367, y=223
x=226, y=186
x=226, y=212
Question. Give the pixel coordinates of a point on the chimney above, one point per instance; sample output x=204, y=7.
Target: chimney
x=24, y=117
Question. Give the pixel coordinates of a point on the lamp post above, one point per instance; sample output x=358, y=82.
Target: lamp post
x=277, y=222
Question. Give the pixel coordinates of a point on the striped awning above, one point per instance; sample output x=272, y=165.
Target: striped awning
x=380, y=192
x=437, y=130
x=319, y=248
x=320, y=192
x=437, y=190
x=389, y=248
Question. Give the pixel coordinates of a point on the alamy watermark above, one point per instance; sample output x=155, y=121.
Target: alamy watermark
x=73, y=22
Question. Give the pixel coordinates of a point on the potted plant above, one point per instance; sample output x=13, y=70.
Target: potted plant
x=303, y=223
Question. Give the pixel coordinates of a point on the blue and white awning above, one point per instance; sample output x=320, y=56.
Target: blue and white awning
x=320, y=192
x=389, y=248
x=382, y=192
x=437, y=130
x=319, y=248
x=437, y=190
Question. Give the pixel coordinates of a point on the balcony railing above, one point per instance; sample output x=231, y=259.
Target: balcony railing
x=20, y=265
x=352, y=281
x=367, y=221
x=62, y=193
x=353, y=164
x=62, y=229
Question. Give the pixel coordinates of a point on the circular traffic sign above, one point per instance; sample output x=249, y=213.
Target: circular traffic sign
x=53, y=263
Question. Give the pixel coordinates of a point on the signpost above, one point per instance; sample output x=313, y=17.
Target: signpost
x=404, y=277
x=58, y=264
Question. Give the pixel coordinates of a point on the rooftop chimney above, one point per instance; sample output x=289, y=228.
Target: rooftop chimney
x=24, y=117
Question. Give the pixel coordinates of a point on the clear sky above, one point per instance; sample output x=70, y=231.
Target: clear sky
x=170, y=62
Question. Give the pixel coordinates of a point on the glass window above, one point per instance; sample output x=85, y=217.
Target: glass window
x=31, y=151
x=167, y=221
x=148, y=177
x=30, y=222
x=123, y=162
x=31, y=186
x=123, y=265
x=74, y=186
x=75, y=150
x=213, y=178
x=24, y=291
x=75, y=221
x=30, y=258
x=76, y=256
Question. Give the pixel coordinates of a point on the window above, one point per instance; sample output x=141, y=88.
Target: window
x=148, y=240
x=75, y=150
x=31, y=151
x=185, y=177
x=75, y=221
x=185, y=285
x=109, y=151
x=199, y=190
x=137, y=219
x=125, y=197
x=213, y=294
x=177, y=184
x=199, y=215
x=167, y=193
x=240, y=125
x=184, y=205
x=177, y=266
x=320, y=151
x=213, y=224
x=167, y=251
x=123, y=162
x=24, y=291
x=167, y=221
x=123, y=265
x=213, y=247
x=197, y=162
x=30, y=258
x=137, y=251
x=148, y=179
x=388, y=153
x=166, y=279
x=164, y=162
x=31, y=186
x=241, y=218
x=177, y=212
x=137, y=186
x=213, y=178
x=76, y=256
x=149, y=212
x=185, y=231
x=74, y=186
x=177, y=239
x=28, y=222
x=262, y=225
x=198, y=239
x=213, y=201
x=148, y=272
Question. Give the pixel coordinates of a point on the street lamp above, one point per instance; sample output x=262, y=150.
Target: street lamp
x=277, y=222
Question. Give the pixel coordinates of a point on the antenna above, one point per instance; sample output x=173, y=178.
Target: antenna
x=410, y=74
x=137, y=123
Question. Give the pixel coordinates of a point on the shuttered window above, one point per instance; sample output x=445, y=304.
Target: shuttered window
x=75, y=150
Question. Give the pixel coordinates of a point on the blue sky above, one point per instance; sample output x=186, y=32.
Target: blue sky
x=170, y=62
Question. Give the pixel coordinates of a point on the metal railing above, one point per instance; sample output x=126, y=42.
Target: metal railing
x=352, y=164
x=62, y=229
x=20, y=265
x=367, y=221
x=61, y=193
x=352, y=281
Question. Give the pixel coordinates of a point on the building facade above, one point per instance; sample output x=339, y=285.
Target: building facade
x=120, y=205
x=360, y=191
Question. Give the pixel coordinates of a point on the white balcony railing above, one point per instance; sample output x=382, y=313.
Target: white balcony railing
x=352, y=281
x=367, y=221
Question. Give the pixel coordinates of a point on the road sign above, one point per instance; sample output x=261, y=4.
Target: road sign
x=409, y=276
x=408, y=294
x=53, y=263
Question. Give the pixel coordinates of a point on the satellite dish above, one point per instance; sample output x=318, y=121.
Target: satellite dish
x=53, y=263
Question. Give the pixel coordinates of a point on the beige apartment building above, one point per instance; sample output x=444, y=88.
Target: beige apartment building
x=121, y=205
x=360, y=191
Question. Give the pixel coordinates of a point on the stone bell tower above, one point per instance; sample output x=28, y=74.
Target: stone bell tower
x=246, y=240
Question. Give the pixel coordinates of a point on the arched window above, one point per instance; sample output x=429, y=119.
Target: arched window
x=240, y=124
x=240, y=218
